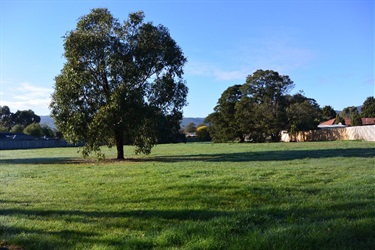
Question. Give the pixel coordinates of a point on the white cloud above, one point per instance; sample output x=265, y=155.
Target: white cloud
x=230, y=75
x=26, y=96
x=216, y=72
x=236, y=63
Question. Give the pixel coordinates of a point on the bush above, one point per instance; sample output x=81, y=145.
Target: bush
x=355, y=120
x=339, y=120
x=18, y=128
x=47, y=131
x=203, y=134
x=3, y=128
x=34, y=129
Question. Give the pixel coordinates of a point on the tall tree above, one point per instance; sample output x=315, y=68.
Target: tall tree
x=368, y=108
x=191, y=127
x=355, y=119
x=328, y=113
x=5, y=118
x=255, y=110
x=223, y=124
x=348, y=112
x=24, y=117
x=117, y=81
x=266, y=90
x=303, y=113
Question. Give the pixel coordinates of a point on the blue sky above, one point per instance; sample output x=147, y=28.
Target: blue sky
x=325, y=47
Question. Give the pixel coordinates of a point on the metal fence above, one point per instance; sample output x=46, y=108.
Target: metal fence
x=28, y=144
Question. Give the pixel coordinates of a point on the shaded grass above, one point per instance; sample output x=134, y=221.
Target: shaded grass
x=192, y=196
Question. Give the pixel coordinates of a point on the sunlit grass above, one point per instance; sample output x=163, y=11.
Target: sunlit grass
x=191, y=196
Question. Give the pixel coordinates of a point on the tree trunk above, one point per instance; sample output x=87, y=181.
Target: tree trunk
x=120, y=146
x=242, y=138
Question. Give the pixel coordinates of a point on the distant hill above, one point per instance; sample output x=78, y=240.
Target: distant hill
x=46, y=119
x=358, y=107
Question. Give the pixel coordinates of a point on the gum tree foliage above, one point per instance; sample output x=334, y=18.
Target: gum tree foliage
x=255, y=110
x=303, y=113
x=339, y=120
x=5, y=117
x=17, y=129
x=264, y=96
x=119, y=81
x=355, y=119
x=21, y=117
x=191, y=127
x=328, y=113
x=349, y=112
x=223, y=124
x=25, y=117
x=368, y=108
x=33, y=129
x=38, y=130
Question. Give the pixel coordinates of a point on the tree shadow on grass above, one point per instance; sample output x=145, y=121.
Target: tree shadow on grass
x=45, y=160
x=183, y=214
x=281, y=155
x=224, y=226
x=286, y=155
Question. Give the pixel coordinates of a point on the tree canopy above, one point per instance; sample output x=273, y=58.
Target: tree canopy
x=303, y=113
x=190, y=128
x=254, y=110
x=266, y=91
x=119, y=83
x=223, y=123
x=22, y=118
x=349, y=112
x=368, y=108
x=328, y=113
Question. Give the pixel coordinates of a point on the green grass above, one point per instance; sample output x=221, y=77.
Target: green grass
x=318, y=195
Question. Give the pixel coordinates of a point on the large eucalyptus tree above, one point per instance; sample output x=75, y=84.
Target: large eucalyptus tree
x=118, y=82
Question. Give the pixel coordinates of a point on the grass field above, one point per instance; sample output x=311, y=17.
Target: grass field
x=318, y=195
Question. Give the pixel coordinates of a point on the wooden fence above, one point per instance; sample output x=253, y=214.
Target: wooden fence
x=364, y=133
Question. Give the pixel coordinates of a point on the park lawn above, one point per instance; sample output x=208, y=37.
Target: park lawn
x=317, y=195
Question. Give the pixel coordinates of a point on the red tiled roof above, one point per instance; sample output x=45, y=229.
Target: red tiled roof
x=329, y=122
x=365, y=121
x=368, y=121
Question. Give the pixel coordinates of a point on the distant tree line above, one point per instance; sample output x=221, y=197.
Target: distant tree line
x=352, y=112
x=261, y=108
x=24, y=121
x=27, y=122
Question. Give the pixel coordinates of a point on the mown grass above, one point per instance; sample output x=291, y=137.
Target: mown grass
x=317, y=195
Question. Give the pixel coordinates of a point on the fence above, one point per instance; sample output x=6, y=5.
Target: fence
x=365, y=133
x=28, y=144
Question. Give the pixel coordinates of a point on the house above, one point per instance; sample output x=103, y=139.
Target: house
x=331, y=123
x=368, y=121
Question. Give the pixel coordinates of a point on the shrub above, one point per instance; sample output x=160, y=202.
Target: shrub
x=203, y=134
x=33, y=129
x=18, y=128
